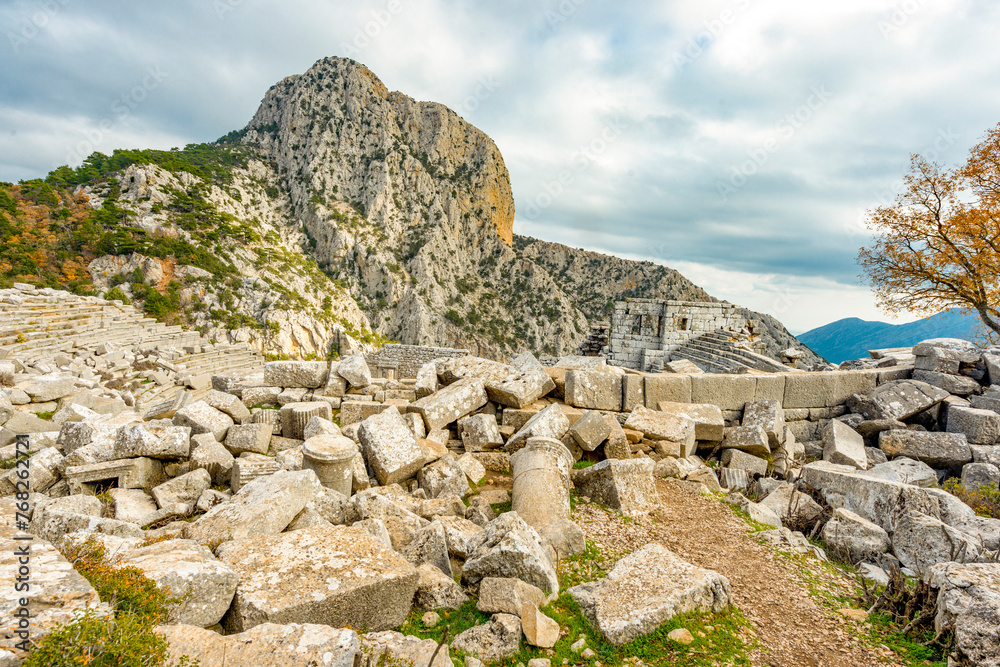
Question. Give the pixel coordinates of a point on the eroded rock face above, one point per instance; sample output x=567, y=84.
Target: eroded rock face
x=336, y=575
x=509, y=547
x=969, y=606
x=646, y=589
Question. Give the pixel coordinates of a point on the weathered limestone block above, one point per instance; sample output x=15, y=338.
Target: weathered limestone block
x=307, y=374
x=656, y=425
x=527, y=382
x=480, y=433
x=709, y=425
x=498, y=595
x=266, y=645
x=200, y=417
x=738, y=459
x=257, y=396
x=981, y=427
x=968, y=605
x=670, y=388
x=941, y=450
x=133, y=505
x=189, y=571
x=509, y=547
x=854, y=538
x=594, y=390
x=248, y=467
x=958, y=385
x=44, y=469
x=394, y=648
x=451, y=403
x=354, y=412
x=443, y=478
x=389, y=447
x=646, y=589
x=792, y=506
x=47, y=388
x=899, y=399
x=770, y=416
x=590, y=430
x=539, y=630
x=436, y=590
x=975, y=475
x=340, y=576
x=355, y=370
x=728, y=392
x=265, y=506
x=843, y=445
x=903, y=471
x=547, y=423
x=427, y=380
x=750, y=439
x=625, y=485
x=251, y=437
x=141, y=473
x=229, y=404
x=494, y=640
x=920, y=541
x=184, y=490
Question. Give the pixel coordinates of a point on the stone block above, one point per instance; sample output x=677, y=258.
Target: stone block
x=390, y=448
x=770, y=416
x=940, y=450
x=709, y=424
x=980, y=427
x=249, y=437
x=843, y=445
x=203, y=418
x=594, y=390
x=728, y=392
x=261, y=396
x=656, y=425
x=667, y=387
x=590, y=430
x=625, y=485
x=295, y=417
x=753, y=465
x=353, y=412
x=750, y=439
x=451, y=403
x=355, y=370
x=305, y=374
x=229, y=404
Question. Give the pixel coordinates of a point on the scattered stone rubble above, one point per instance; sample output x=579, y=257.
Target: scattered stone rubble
x=296, y=499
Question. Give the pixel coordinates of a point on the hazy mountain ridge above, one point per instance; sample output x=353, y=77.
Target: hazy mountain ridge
x=852, y=337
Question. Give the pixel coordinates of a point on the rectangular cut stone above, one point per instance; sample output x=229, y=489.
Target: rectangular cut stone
x=527, y=382
x=666, y=387
x=769, y=387
x=594, y=390
x=843, y=445
x=728, y=392
x=246, y=469
x=656, y=425
x=735, y=458
x=633, y=391
x=940, y=450
x=336, y=576
x=751, y=439
x=390, y=447
x=352, y=412
x=129, y=473
x=899, y=399
x=622, y=484
x=449, y=404
x=590, y=430
x=308, y=374
x=981, y=427
x=709, y=424
x=770, y=416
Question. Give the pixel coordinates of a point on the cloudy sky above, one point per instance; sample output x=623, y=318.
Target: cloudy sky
x=738, y=141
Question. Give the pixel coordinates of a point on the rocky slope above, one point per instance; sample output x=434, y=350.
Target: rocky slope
x=340, y=208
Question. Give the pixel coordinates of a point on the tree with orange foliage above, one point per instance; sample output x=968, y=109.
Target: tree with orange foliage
x=938, y=246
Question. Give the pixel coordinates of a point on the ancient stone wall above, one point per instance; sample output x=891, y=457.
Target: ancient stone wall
x=403, y=361
x=643, y=329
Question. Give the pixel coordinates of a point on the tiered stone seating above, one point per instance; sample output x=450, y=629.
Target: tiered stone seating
x=716, y=352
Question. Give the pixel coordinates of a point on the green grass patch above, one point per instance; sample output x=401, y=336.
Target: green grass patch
x=583, y=463
x=47, y=416
x=915, y=650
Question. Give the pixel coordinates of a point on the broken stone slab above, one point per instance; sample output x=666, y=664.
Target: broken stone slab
x=539, y=630
x=920, y=541
x=58, y=595
x=457, y=368
x=590, y=430
x=646, y=589
x=547, y=423
x=769, y=415
x=390, y=448
x=436, y=590
x=444, y=477
x=451, y=403
x=527, y=382
x=792, y=506
x=853, y=538
x=975, y=475
x=842, y=445
x=473, y=469
x=354, y=412
x=235, y=382
x=136, y=440
x=749, y=439
x=498, y=595
x=709, y=425
x=261, y=396
x=429, y=545
x=954, y=348
x=185, y=489
x=460, y=535
x=980, y=427
x=732, y=479
x=426, y=380
x=355, y=370
x=229, y=404
x=141, y=473
x=188, y=571
x=339, y=576
x=480, y=433
x=265, y=506
x=959, y=385
x=203, y=418
x=594, y=390
x=250, y=437
x=47, y=388
x=509, y=547
x=53, y=525
x=968, y=605
x=133, y=505
x=678, y=429
x=563, y=537
x=940, y=450
x=295, y=417
x=498, y=638
x=43, y=469
x=899, y=399
x=395, y=648
x=624, y=485
x=307, y=374
x=265, y=645
x=903, y=471
x=736, y=458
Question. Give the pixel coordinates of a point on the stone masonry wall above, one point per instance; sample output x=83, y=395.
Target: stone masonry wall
x=642, y=326
x=403, y=361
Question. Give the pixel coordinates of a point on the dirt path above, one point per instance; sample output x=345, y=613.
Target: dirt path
x=793, y=629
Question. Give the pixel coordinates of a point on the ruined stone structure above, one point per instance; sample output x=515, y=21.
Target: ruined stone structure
x=403, y=361
x=647, y=331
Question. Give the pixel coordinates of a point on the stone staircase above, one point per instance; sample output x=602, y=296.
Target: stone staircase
x=43, y=324
x=716, y=352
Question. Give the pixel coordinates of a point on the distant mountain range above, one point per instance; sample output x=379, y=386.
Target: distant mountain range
x=851, y=338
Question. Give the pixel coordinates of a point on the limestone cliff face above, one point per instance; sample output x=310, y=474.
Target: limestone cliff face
x=411, y=208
